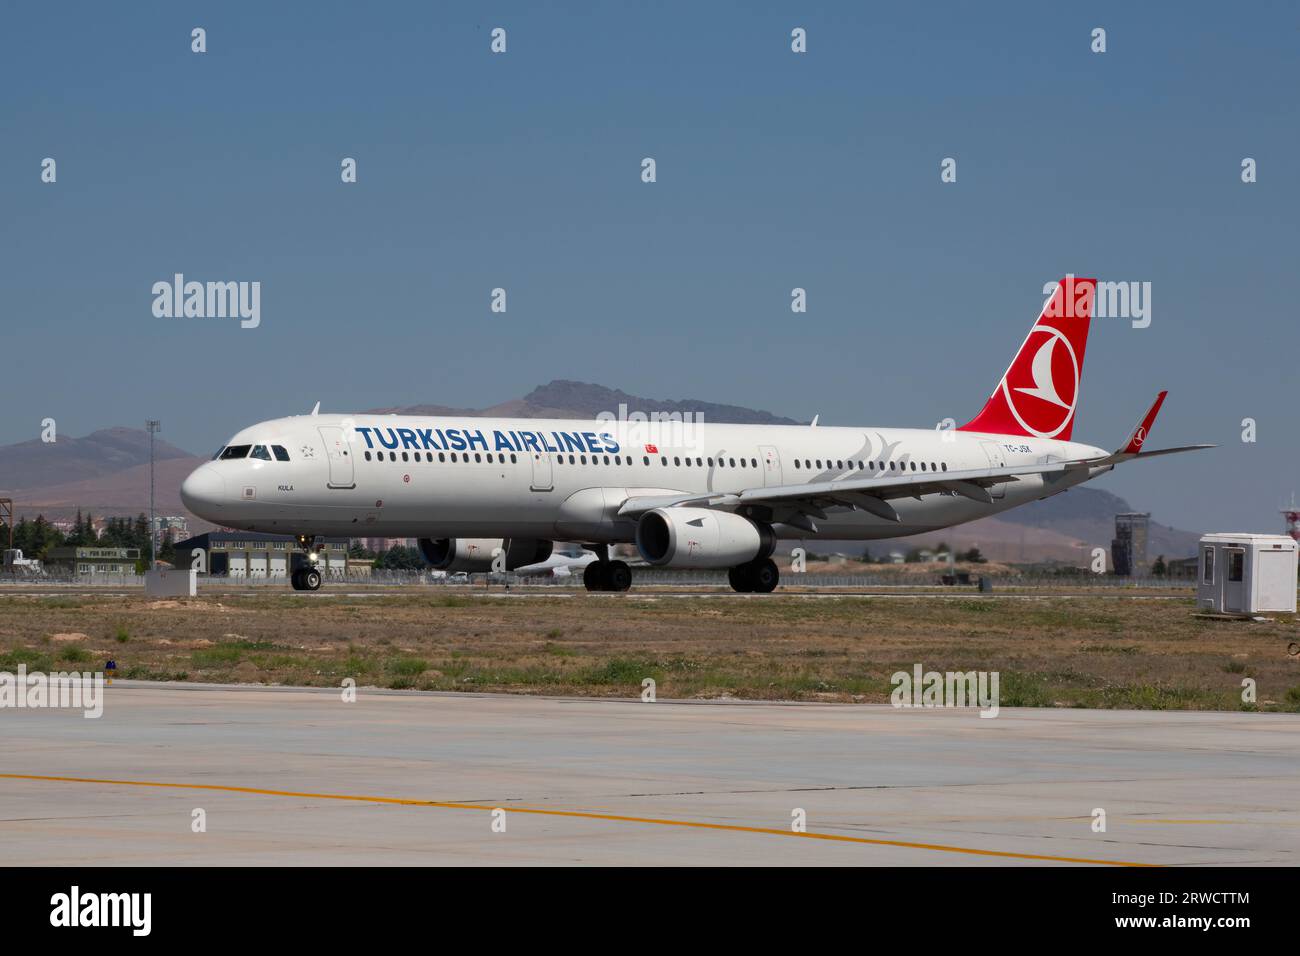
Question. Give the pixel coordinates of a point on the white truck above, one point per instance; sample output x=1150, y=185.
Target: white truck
x=16, y=564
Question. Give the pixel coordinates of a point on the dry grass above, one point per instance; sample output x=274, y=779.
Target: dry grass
x=1086, y=652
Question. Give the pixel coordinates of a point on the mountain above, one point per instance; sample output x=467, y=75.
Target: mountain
x=33, y=464
x=566, y=399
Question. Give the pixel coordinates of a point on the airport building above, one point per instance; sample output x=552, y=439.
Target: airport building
x=78, y=560
x=1128, y=549
x=178, y=525
x=250, y=554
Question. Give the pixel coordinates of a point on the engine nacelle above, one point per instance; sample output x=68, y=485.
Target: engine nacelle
x=521, y=552
x=475, y=554
x=701, y=538
x=459, y=554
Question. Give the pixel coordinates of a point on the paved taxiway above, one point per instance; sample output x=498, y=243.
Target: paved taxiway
x=297, y=776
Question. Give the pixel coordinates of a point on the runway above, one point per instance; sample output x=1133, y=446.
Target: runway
x=297, y=776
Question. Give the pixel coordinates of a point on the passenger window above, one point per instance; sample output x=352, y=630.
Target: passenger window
x=513, y=460
x=235, y=451
x=404, y=458
x=442, y=457
x=367, y=456
x=280, y=453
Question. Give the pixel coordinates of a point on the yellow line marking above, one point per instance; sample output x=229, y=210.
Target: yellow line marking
x=579, y=814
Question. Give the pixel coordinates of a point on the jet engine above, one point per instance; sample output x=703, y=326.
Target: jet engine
x=701, y=538
x=475, y=554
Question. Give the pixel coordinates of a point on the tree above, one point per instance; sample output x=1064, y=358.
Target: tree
x=167, y=550
x=1160, y=569
x=399, y=558
x=972, y=556
x=866, y=557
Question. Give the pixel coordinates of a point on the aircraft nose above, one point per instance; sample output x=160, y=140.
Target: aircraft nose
x=204, y=491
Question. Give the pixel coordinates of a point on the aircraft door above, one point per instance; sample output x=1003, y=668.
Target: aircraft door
x=993, y=451
x=543, y=480
x=770, y=459
x=340, y=459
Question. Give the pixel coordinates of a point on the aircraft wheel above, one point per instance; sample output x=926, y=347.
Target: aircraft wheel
x=311, y=580
x=765, y=575
x=595, y=576
x=296, y=579
x=619, y=576
x=741, y=578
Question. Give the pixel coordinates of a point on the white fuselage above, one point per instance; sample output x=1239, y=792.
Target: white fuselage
x=407, y=476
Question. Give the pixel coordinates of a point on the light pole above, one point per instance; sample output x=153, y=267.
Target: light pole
x=153, y=425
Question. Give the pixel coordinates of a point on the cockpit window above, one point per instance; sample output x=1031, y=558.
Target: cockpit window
x=235, y=451
x=259, y=451
x=219, y=451
x=280, y=453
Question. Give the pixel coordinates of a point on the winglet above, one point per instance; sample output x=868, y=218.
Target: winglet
x=316, y=410
x=1139, y=434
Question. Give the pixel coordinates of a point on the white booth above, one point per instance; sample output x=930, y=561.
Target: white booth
x=1247, y=573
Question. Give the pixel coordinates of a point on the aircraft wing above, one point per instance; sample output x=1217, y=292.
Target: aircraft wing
x=798, y=504
x=867, y=494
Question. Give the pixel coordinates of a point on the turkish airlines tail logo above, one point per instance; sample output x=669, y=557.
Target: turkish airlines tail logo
x=1040, y=390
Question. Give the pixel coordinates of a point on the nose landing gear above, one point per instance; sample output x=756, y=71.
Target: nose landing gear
x=306, y=578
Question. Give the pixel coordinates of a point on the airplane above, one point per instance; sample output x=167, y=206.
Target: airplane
x=494, y=494
x=564, y=560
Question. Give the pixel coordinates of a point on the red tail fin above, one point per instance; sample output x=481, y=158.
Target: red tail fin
x=1040, y=391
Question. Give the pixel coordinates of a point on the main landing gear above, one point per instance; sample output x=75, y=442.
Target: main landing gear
x=758, y=576
x=607, y=575
x=306, y=578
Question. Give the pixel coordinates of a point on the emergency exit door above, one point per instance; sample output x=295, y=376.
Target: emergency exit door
x=543, y=480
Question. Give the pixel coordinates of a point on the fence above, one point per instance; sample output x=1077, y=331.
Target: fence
x=641, y=577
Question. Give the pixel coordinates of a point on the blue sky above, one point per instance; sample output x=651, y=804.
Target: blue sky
x=775, y=170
